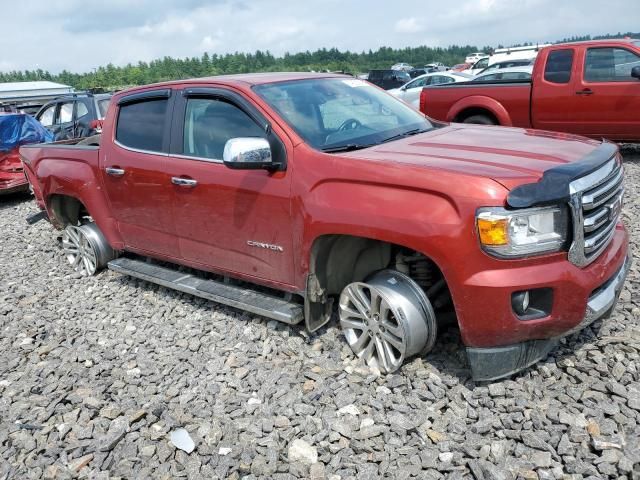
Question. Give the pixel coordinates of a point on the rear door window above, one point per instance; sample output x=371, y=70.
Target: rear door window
x=610, y=65
x=141, y=125
x=103, y=105
x=559, y=65
x=65, y=114
x=46, y=118
x=82, y=110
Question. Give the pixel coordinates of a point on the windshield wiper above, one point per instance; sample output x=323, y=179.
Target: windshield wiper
x=408, y=133
x=346, y=148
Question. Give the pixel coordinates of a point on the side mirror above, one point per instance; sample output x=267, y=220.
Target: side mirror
x=247, y=153
x=635, y=72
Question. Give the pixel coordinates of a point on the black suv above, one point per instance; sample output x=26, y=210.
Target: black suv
x=388, y=79
x=74, y=116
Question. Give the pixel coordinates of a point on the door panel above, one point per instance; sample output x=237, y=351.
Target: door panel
x=610, y=97
x=232, y=220
x=138, y=187
x=554, y=104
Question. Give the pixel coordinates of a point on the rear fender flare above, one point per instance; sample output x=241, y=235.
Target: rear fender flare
x=479, y=102
x=77, y=180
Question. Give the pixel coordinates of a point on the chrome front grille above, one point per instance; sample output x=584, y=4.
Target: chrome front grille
x=596, y=202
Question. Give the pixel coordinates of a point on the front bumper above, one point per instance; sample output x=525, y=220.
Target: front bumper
x=496, y=362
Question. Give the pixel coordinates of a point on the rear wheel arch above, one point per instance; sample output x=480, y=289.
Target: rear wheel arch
x=66, y=210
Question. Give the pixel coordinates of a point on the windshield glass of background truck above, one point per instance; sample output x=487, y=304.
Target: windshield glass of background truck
x=335, y=112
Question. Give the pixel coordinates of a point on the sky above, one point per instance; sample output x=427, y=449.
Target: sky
x=78, y=36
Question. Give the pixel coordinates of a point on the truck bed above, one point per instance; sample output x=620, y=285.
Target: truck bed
x=73, y=149
x=52, y=167
x=451, y=102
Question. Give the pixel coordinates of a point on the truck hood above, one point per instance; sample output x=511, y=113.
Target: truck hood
x=510, y=156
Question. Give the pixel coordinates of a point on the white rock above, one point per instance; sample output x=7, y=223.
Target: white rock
x=254, y=401
x=366, y=422
x=350, y=409
x=301, y=451
x=224, y=451
x=446, y=457
x=182, y=440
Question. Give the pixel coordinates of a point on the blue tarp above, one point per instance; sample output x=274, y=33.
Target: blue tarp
x=20, y=129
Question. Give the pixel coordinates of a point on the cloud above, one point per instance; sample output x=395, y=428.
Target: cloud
x=78, y=35
x=408, y=25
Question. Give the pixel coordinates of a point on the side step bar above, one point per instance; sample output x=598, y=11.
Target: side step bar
x=242, y=298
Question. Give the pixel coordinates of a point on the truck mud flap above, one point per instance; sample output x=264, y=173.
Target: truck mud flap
x=36, y=217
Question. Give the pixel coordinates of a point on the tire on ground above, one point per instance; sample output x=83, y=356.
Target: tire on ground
x=480, y=120
x=86, y=249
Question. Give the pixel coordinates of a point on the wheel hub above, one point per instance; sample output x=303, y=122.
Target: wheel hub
x=386, y=319
x=85, y=248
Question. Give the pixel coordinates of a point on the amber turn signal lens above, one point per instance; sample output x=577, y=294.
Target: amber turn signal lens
x=493, y=231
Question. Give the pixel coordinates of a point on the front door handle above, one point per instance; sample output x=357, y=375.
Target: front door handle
x=114, y=172
x=184, y=182
x=586, y=91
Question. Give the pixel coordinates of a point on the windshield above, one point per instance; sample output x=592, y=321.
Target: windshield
x=331, y=114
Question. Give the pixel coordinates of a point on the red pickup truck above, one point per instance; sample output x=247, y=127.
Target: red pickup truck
x=290, y=194
x=587, y=88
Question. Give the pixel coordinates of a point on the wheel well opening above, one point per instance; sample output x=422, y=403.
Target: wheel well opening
x=337, y=260
x=67, y=210
x=470, y=112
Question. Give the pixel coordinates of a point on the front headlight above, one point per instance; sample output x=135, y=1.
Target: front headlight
x=517, y=233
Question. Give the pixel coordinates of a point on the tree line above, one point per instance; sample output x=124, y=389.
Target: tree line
x=111, y=77
x=168, y=68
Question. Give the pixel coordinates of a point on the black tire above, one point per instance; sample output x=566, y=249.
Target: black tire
x=480, y=120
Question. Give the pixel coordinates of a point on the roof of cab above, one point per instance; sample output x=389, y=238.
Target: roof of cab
x=597, y=42
x=240, y=79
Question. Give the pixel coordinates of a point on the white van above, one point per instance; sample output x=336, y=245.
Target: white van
x=502, y=54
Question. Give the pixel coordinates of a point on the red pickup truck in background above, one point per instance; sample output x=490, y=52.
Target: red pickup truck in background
x=285, y=194
x=587, y=88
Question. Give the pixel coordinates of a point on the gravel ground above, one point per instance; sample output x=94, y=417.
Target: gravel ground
x=105, y=377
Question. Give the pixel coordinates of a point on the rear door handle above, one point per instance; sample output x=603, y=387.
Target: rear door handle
x=184, y=182
x=114, y=172
x=586, y=91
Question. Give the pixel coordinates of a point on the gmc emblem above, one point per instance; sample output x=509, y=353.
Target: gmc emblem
x=614, y=209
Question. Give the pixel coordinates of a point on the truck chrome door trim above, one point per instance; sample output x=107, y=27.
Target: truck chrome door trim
x=184, y=182
x=114, y=172
x=137, y=150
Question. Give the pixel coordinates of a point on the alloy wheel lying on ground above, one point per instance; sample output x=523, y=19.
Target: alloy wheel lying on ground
x=387, y=319
x=86, y=249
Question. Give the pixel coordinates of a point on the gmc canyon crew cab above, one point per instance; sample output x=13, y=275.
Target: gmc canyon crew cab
x=290, y=194
x=586, y=88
